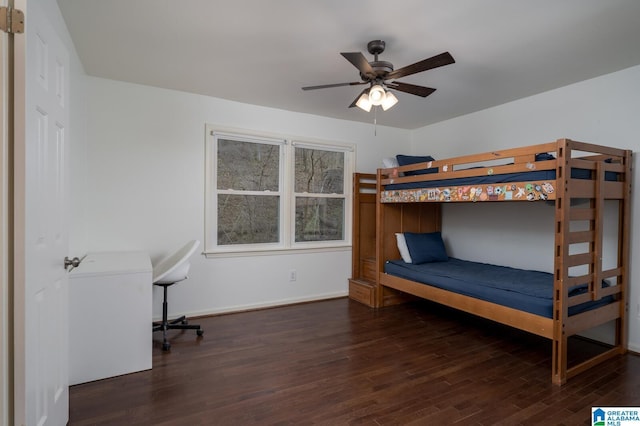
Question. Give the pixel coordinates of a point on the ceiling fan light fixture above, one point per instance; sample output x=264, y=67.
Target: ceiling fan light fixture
x=377, y=95
x=363, y=102
x=389, y=101
x=380, y=75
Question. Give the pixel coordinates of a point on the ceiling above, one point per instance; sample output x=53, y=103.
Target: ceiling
x=262, y=52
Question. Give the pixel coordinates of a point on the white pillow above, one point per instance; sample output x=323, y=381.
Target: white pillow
x=402, y=247
x=389, y=162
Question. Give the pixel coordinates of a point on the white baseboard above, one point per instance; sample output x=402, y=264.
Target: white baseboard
x=263, y=305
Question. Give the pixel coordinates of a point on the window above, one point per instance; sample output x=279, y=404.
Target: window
x=248, y=191
x=265, y=193
x=319, y=194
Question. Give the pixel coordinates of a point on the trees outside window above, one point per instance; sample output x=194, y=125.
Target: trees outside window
x=319, y=195
x=248, y=191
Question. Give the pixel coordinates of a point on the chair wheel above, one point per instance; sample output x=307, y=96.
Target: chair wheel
x=199, y=332
x=166, y=346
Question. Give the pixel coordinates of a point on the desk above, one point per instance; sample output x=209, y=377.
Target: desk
x=110, y=316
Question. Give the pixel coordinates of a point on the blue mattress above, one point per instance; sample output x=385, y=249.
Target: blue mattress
x=536, y=175
x=529, y=291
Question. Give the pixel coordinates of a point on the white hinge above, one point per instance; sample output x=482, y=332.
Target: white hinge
x=11, y=20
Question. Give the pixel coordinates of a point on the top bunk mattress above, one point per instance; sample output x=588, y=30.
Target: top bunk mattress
x=524, y=290
x=529, y=176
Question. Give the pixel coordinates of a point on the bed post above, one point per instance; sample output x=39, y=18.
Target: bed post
x=624, y=224
x=379, y=291
x=561, y=252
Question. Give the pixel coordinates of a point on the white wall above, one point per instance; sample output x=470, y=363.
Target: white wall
x=144, y=190
x=603, y=110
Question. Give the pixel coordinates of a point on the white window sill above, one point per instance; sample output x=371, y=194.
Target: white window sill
x=275, y=252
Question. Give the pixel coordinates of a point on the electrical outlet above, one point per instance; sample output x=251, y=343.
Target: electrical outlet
x=293, y=275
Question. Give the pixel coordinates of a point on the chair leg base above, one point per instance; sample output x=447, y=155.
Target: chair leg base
x=176, y=324
x=180, y=323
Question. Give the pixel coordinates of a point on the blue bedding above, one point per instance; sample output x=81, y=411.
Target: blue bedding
x=529, y=291
x=536, y=175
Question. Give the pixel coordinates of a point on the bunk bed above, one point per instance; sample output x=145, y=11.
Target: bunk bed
x=577, y=178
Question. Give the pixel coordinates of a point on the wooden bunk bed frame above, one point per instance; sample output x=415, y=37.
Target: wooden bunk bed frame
x=419, y=210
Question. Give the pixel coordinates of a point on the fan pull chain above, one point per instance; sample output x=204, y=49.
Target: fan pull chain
x=375, y=121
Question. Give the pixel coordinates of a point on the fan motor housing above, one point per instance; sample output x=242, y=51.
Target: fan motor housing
x=380, y=69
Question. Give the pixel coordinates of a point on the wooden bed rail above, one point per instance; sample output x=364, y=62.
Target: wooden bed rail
x=511, y=161
x=515, y=155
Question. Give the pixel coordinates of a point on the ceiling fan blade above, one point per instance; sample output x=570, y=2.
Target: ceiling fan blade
x=358, y=97
x=424, y=65
x=324, y=86
x=411, y=88
x=359, y=61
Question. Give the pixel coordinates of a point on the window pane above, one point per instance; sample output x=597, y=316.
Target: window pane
x=248, y=219
x=319, y=219
x=318, y=171
x=248, y=166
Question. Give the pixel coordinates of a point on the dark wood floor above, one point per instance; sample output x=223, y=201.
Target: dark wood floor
x=338, y=362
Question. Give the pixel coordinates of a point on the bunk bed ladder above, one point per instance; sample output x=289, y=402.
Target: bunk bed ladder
x=592, y=259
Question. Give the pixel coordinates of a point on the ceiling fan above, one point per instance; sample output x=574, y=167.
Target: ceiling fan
x=378, y=75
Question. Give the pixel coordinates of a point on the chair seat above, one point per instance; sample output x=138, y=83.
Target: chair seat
x=175, y=268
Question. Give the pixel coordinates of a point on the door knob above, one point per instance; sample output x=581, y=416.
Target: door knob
x=75, y=262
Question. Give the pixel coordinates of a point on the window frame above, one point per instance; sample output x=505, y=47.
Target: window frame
x=288, y=144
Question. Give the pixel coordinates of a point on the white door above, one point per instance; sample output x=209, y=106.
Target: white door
x=41, y=316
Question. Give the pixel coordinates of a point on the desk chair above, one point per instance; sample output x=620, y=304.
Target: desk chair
x=168, y=272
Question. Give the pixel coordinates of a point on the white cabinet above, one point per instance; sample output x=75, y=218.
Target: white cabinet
x=110, y=317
